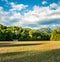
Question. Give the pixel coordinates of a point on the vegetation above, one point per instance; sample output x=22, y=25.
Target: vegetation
x=30, y=51
x=55, y=36
x=27, y=34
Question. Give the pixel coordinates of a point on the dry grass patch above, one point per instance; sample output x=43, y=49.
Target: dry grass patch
x=36, y=51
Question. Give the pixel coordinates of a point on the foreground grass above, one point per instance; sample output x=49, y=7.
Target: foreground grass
x=30, y=51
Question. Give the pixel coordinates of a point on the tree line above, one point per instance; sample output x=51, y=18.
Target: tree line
x=27, y=34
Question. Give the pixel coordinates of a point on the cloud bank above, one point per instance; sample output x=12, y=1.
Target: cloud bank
x=37, y=17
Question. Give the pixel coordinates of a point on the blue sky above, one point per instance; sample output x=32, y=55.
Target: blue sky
x=31, y=3
x=30, y=13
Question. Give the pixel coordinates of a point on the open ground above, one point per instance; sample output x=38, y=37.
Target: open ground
x=30, y=51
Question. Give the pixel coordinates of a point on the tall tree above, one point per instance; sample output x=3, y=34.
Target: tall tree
x=55, y=36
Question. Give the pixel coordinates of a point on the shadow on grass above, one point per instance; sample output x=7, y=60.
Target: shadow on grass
x=48, y=56
x=13, y=45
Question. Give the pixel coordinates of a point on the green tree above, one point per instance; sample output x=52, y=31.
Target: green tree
x=45, y=36
x=5, y=35
x=24, y=35
x=34, y=35
x=2, y=27
x=55, y=36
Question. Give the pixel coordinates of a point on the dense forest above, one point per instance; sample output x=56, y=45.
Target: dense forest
x=27, y=34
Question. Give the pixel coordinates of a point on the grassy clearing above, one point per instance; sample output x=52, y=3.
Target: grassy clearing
x=37, y=51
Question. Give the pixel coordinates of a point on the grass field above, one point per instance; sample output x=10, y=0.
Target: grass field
x=34, y=51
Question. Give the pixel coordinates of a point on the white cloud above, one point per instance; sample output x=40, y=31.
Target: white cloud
x=17, y=6
x=40, y=14
x=15, y=16
x=44, y=2
x=32, y=17
x=12, y=16
x=54, y=5
x=3, y=15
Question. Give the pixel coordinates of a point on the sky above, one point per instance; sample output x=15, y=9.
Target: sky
x=30, y=13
